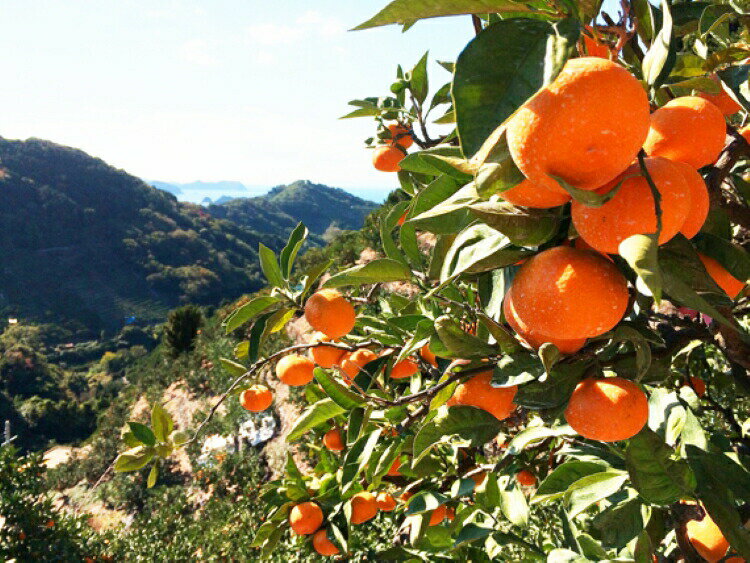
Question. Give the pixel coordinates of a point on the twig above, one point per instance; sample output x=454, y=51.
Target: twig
x=477, y=24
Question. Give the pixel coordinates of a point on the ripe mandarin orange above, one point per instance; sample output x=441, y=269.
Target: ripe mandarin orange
x=569, y=293
x=352, y=364
x=525, y=478
x=305, y=518
x=438, y=515
x=405, y=368
x=607, y=410
x=332, y=440
x=323, y=545
x=726, y=281
x=527, y=194
x=593, y=47
x=405, y=496
x=688, y=129
x=478, y=392
x=699, y=201
x=329, y=312
x=256, y=399
x=394, y=470
x=698, y=385
x=295, y=370
x=385, y=502
x=427, y=355
x=581, y=244
x=721, y=99
x=534, y=339
x=387, y=158
x=325, y=356
x=572, y=130
x=364, y=507
x=631, y=211
x=708, y=540
x=400, y=135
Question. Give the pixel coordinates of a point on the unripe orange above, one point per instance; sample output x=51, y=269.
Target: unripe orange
x=607, y=410
x=323, y=545
x=352, y=364
x=427, y=355
x=364, y=507
x=329, y=312
x=726, y=281
x=478, y=392
x=387, y=158
x=256, y=399
x=332, y=440
x=385, y=502
x=400, y=135
x=688, y=129
x=305, y=518
x=525, y=478
x=295, y=370
x=438, y=515
x=699, y=200
x=404, y=368
x=325, y=356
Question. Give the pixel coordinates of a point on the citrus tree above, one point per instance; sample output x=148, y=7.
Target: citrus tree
x=550, y=359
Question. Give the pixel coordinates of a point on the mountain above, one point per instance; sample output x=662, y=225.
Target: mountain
x=316, y=205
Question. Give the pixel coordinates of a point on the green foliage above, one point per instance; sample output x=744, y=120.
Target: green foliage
x=182, y=328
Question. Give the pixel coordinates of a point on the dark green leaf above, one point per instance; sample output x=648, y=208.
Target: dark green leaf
x=270, y=266
x=732, y=256
x=289, y=253
x=418, y=83
x=313, y=416
x=467, y=423
x=621, y=523
x=522, y=225
x=143, y=433
x=342, y=396
x=248, y=311
x=357, y=457
x=557, y=483
x=461, y=344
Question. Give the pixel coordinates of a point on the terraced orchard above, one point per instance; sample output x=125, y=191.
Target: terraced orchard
x=550, y=360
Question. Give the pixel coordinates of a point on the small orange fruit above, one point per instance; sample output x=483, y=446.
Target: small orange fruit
x=332, y=440
x=427, y=355
x=329, y=312
x=325, y=356
x=323, y=545
x=568, y=293
x=698, y=385
x=352, y=364
x=572, y=130
x=405, y=496
x=707, y=539
x=478, y=478
x=526, y=478
x=394, y=470
x=527, y=194
x=438, y=515
x=400, y=135
x=726, y=281
x=364, y=507
x=688, y=129
x=256, y=399
x=593, y=47
x=385, y=502
x=387, y=158
x=699, y=200
x=295, y=370
x=478, y=392
x=305, y=518
x=632, y=211
x=607, y=410
x=402, y=219
x=721, y=99
x=405, y=368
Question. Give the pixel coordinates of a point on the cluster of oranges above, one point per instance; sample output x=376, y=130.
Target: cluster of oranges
x=387, y=157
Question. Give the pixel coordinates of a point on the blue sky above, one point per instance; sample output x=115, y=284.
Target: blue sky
x=183, y=90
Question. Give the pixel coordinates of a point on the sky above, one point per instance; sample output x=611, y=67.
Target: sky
x=185, y=90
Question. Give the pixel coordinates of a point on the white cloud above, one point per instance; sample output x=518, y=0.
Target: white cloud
x=197, y=52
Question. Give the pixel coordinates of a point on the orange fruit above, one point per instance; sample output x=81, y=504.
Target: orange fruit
x=326, y=356
x=478, y=392
x=592, y=46
x=351, y=364
x=688, y=129
x=478, y=478
x=581, y=244
x=323, y=545
x=405, y=496
x=707, y=539
x=256, y=399
x=405, y=368
x=438, y=515
x=385, y=502
x=721, y=100
x=427, y=355
x=527, y=194
x=295, y=370
x=698, y=385
x=568, y=293
x=607, y=410
x=699, y=200
x=726, y=281
x=329, y=312
x=332, y=440
x=631, y=211
x=394, y=470
x=525, y=478
x=534, y=339
x=387, y=157
x=364, y=507
x=402, y=219
x=400, y=135
x=571, y=128
x=305, y=518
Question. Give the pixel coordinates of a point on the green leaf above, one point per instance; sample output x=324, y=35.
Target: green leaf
x=735, y=77
x=342, y=396
x=461, y=344
x=258, y=334
x=313, y=274
x=508, y=344
x=587, y=197
x=534, y=435
x=387, y=225
x=418, y=83
x=232, y=368
x=501, y=68
x=657, y=55
x=377, y=271
x=467, y=423
x=313, y=416
x=289, y=253
x=477, y=249
x=555, y=391
x=152, y=476
x=130, y=440
x=270, y=266
x=133, y=459
x=248, y=311
x=439, y=160
x=161, y=423
x=385, y=460
x=143, y=433
x=513, y=503
x=593, y=488
x=622, y=522
x=425, y=501
x=470, y=533
x=497, y=172
x=407, y=11
x=556, y=484
x=522, y=225
x=450, y=215
x=642, y=254
x=655, y=472
x=730, y=255
x=356, y=458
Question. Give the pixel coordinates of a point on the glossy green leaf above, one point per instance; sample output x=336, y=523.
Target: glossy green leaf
x=340, y=394
x=293, y=245
x=313, y=416
x=467, y=423
x=143, y=433
x=270, y=266
x=642, y=254
x=656, y=57
x=356, y=458
x=418, y=82
x=556, y=484
x=461, y=344
x=522, y=225
x=593, y=488
x=378, y=271
x=248, y=311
